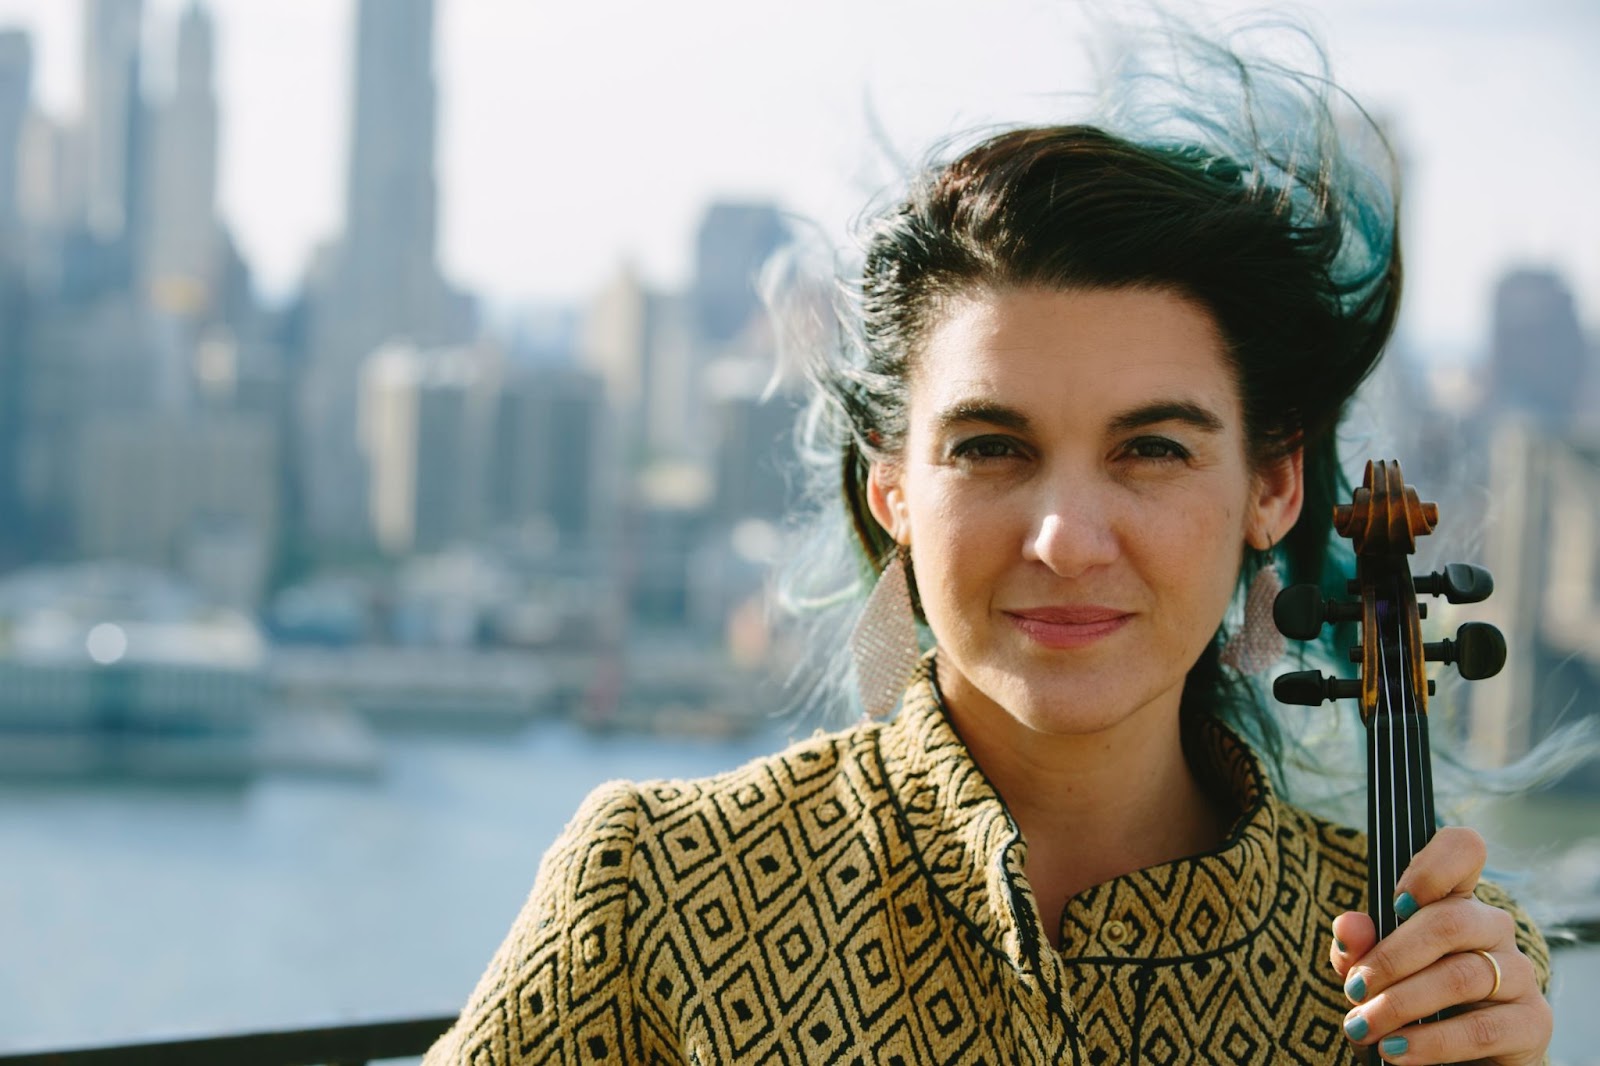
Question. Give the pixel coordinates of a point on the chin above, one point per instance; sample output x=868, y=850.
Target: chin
x=1060, y=706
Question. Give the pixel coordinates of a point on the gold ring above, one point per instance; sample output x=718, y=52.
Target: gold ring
x=1496, y=965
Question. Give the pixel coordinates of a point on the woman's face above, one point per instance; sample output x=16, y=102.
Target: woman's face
x=1076, y=494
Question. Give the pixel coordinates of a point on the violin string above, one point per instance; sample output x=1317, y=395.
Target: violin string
x=1387, y=856
x=1407, y=759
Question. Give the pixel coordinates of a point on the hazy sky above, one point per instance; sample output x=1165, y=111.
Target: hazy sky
x=575, y=135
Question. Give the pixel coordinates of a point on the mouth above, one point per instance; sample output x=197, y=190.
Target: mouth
x=1074, y=626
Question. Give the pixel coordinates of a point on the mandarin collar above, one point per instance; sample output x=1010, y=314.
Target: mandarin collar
x=974, y=853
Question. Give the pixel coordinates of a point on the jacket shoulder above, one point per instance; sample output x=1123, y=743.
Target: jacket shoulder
x=558, y=980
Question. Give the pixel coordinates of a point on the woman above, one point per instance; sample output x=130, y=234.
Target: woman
x=1094, y=386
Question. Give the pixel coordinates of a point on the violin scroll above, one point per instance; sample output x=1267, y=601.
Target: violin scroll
x=1383, y=520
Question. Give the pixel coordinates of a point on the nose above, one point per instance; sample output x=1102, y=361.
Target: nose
x=1074, y=535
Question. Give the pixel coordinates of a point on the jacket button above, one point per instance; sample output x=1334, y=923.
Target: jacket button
x=1113, y=932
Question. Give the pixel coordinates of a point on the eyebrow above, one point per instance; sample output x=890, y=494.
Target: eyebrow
x=1150, y=414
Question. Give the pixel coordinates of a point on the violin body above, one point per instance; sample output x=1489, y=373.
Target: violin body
x=1383, y=521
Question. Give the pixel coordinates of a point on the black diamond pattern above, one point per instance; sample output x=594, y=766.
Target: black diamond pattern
x=860, y=898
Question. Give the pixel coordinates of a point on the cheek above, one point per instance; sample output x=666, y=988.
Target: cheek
x=1200, y=547
x=959, y=549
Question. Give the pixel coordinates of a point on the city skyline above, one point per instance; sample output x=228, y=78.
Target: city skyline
x=714, y=102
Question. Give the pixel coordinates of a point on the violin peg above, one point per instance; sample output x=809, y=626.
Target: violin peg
x=1309, y=688
x=1479, y=650
x=1458, y=583
x=1298, y=613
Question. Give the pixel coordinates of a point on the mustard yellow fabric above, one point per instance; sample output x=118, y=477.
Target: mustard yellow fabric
x=859, y=898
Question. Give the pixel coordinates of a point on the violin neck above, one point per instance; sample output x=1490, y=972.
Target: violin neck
x=1400, y=815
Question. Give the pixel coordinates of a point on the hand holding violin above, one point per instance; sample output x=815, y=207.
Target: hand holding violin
x=1435, y=961
x=1428, y=947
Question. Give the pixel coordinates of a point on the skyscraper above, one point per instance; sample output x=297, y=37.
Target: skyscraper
x=734, y=241
x=16, y=76
x=112, y=115
x=383, y=281
x=1539, y=357
x=181, y=263
x=390, y=264
x=16, y=72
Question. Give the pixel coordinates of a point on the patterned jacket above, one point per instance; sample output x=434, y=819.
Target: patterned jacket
x=860, y=898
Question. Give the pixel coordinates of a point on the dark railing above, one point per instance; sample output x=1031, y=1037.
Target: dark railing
x=356, y=1045
x=339, y=1045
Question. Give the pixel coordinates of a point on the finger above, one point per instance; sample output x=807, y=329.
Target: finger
x=1449, y=865
x=1353, y=937
x=1443, y=928
x=1508, y=1033
x=1465, y=978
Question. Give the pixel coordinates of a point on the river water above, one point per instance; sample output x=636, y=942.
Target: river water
x=132, y=913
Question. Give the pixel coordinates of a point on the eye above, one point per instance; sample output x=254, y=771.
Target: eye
x=980, y=449
x=1156, y=448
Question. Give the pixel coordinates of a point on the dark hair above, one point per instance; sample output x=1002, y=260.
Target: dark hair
x=1071, y=207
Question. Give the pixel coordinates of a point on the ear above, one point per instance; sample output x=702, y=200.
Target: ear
x=1280, y=492
x=887, y=502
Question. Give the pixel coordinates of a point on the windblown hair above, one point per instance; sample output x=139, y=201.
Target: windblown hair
x=1222, y=180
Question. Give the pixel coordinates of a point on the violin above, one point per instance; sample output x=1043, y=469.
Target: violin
x=1383, y=521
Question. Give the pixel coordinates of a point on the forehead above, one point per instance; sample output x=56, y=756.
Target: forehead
x=1079, y=351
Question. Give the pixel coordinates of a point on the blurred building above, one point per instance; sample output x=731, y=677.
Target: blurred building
x=733, y=243
x=756, y=472
x=552, y=462
x=426, y=424
x=195, y=495
x=16, y=80
x=381, y=282
x=113, y=116
x=614, y=343
x=15, y=312
x=1544, y=549
x=1539, y=358
x=81, y=364
x=181, y=254
x=644, y=346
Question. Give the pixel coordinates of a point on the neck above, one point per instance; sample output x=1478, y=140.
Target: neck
x=1092, y=806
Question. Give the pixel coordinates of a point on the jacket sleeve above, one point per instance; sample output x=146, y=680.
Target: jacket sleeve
x=557, y=990
x=1529, y=939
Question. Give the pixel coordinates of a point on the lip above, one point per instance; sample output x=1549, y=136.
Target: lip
x=1068, y=626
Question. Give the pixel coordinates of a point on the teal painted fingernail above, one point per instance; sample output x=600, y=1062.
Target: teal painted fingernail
x=1393, y=1045
x=1404, y=906
x=1355, y=1028
x=1338, y=945
x=1356, y=988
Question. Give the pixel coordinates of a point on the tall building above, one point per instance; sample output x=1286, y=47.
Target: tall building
x=16, y=75
x=391, y=214
x=82, y=365
x=15, y=307
x=382, y=281
x=614, y=342
x=16, y=79
x=550, y=459
x=734, y=241
x=112, y=116
x=1543, y=547
x=1539, y=358
x=426, y=421
x=757, y=471
x=181, y=264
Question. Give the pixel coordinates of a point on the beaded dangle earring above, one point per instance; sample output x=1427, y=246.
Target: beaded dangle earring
x=884, y=644
x=1257, y=644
